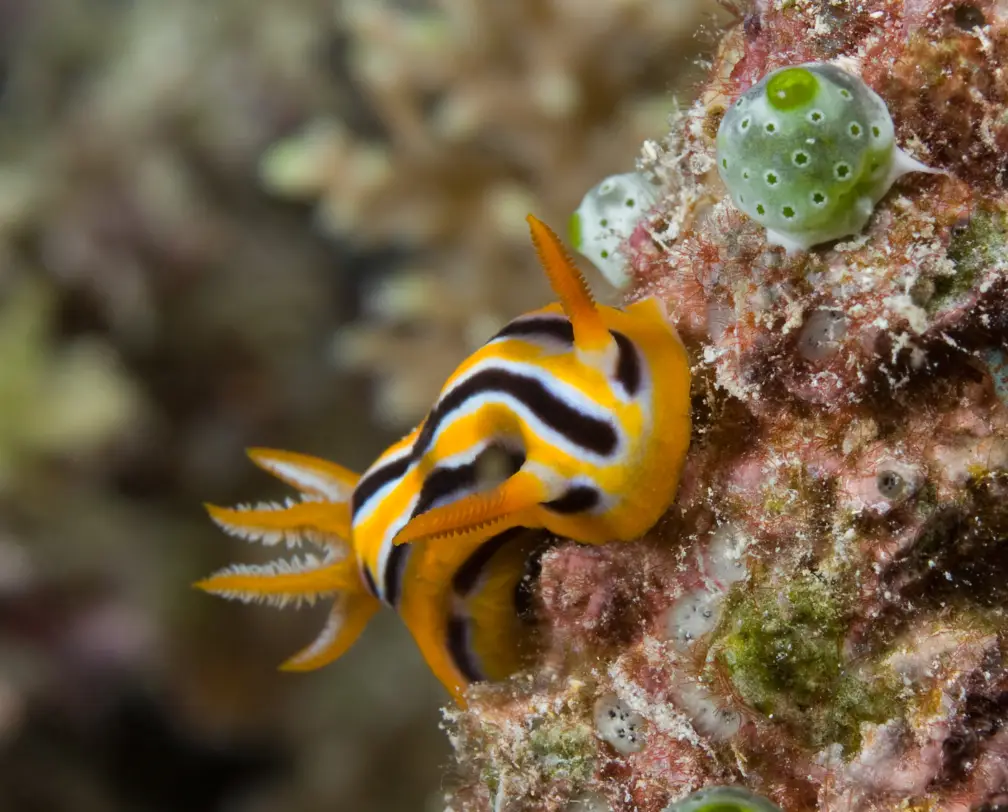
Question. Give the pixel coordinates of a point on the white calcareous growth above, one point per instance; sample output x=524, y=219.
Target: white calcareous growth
x=607, y=216
x=808, y=152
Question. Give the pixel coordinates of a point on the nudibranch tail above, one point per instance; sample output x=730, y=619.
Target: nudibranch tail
x=590, y=332
x=510, y=504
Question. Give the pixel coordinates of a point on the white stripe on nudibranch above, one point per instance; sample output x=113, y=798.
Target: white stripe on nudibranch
x=385, y=550
x=570, y=394
x=364, y=510
x=560, y=390
x=374, y=502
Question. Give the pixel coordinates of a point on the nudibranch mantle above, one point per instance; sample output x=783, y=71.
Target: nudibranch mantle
x=573, y=421
x=807, y=152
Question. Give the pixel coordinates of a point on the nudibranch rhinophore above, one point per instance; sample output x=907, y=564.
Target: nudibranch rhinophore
x=807, y=152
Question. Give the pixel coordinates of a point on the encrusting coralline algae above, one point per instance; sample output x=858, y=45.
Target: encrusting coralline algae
x=820, y=620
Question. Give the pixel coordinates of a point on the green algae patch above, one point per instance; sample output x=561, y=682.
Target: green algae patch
x=564, y=751
x=554, y=751
x=972, y=249
x=782, y=649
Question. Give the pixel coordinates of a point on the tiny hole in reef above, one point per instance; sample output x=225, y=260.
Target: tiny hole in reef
x=969, y=17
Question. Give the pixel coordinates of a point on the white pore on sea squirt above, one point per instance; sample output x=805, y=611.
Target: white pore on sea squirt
x=807, y=152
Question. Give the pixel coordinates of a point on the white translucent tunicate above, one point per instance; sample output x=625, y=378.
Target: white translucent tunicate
x=707, y=716
x=588, y=802
x=896, y=480
x=607, y=216
x=692, y=616
x=821, y=334
x=724, y=559
x=619, y=725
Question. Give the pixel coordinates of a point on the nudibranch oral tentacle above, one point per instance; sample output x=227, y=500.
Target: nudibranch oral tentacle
x=572, y=421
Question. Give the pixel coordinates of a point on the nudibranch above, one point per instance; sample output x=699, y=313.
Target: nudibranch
x=808, y=152
x=572, y=421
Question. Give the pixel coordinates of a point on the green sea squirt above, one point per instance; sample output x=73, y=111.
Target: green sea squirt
x=723, y=799
x=807, y=152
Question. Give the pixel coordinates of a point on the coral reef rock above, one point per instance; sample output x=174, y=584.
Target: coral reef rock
x=821, y=618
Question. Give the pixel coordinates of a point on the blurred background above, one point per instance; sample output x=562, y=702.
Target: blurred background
x=238, y=222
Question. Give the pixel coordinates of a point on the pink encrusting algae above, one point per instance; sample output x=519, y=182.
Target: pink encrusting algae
x=822, y=616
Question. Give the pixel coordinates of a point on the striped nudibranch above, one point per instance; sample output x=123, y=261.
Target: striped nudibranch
x=572, y=421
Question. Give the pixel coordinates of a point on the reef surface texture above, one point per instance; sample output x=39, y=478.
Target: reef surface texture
x=821, y=617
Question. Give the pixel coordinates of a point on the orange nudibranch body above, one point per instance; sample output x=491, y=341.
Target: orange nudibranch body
x=572, y=421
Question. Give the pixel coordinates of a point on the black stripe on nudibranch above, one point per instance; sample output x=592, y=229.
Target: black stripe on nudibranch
x=628, y=371
x=447, y=481
x=555, y=328
x=458, y=649
x=374, y=481
x=395, y=569
x=369, y=581
x=577, y=499
x=590, y=433
x=467, y=576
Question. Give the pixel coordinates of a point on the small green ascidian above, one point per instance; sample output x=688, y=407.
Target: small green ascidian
x=723, y=799
x=807, y=152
